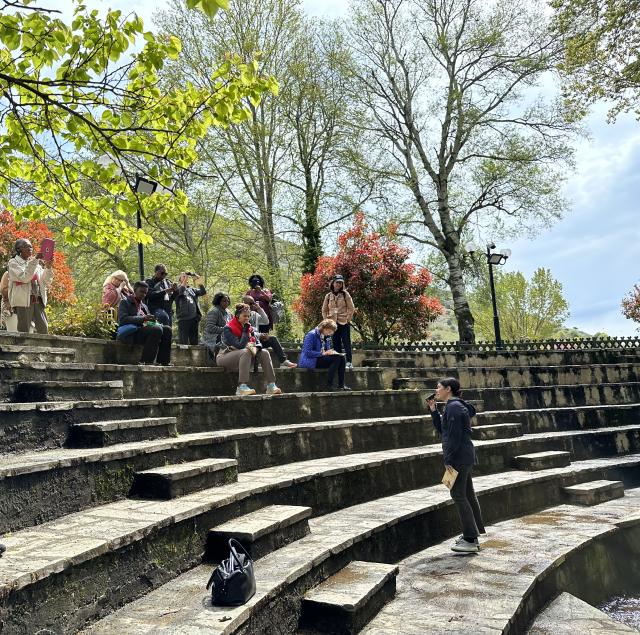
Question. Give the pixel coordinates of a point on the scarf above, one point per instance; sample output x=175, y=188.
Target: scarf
x=237, y=328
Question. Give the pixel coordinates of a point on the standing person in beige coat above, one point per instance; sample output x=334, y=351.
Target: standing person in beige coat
x=8, y=318
x=338, y=306
x=29, y=277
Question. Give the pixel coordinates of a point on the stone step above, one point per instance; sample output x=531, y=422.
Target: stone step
x=37, y=391
x=172, y=481
x=366, y=531
x=18, y=353
x=349, y=599
x=259, y=532
x=99, y=434
x=542, y=460
x=390, y=362
x=565, y=548
x=594, y=492
x=496, y=431
x=38, y=425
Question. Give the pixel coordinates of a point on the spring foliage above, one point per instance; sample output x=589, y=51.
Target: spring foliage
x=389, y=292
x=631, y=304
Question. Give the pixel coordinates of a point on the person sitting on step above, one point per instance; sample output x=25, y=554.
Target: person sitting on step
x=238, y=350
x=260, y=318
x=454, y=425
x=137, y=325
x=317, y=353
x=214, y=324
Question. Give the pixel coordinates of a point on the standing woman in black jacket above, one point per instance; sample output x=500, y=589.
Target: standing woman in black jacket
x=454, y=425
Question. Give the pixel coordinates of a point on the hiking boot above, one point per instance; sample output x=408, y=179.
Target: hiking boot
x=288, y=364
x=244, y=391
x=464, y=546
x=272, y=389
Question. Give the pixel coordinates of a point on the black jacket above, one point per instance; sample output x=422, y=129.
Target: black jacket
x=455, y=427
x=128, y=312
x=187, y=306
x=158, y=289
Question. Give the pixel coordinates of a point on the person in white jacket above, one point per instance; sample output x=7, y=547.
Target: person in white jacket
x=29, y=277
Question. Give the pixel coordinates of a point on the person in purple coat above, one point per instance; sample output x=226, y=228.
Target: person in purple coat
x=317, y=352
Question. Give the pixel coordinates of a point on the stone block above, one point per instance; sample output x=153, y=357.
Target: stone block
x=542, y=460
x=18, y=353
x=99, y=434
x=259, y=532
x=594, y=492
x=180, y=479
x=496, y=431
x=345, y=602
x=36, y=391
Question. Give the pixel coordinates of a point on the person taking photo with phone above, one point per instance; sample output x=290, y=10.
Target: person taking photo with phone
x=188, y=311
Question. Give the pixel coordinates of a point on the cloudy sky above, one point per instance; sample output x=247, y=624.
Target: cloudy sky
x=595, y=250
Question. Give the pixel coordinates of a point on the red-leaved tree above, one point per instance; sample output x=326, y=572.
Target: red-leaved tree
x=631, y=304
x=389, y=293
x=61, y=291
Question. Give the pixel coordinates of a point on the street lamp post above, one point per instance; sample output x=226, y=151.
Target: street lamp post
x=144, y=186
x=493, y=258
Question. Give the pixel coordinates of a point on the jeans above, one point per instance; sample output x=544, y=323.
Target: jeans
x=333, y=363
x=274, y=343
x=188, y=331
x=163, y=317
x=466, y=503
x=156, y=343
x=342, y=340
x=242, y=360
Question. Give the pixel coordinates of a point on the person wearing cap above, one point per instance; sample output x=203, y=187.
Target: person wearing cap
x=338, y=306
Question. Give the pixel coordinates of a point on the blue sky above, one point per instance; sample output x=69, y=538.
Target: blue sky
x=595, y=250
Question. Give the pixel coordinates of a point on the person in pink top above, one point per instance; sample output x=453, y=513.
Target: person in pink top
x=116, y=287
x=263, y=297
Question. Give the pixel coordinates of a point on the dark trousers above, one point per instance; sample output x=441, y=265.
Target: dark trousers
x=274, y=343
x=156, y=343
x=466, y=501
x=342, y=340
x=333, y=363
x=163, y=317
x=188, y=331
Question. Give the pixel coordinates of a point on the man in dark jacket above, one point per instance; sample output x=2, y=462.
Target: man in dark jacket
x=162, y=293
x=188, y=311
x=142, y=329
x=454, y=425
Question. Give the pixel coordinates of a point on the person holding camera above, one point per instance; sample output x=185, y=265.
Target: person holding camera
x=264, y=298
x=239, y=349
x=29, y=279
x=188, y=311
x=162, y=293
x=454, y=426
x=137, y=325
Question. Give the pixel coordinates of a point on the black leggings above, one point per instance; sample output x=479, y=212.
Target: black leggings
x=333, y=363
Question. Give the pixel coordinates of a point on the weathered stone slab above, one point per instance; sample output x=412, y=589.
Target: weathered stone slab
x=35, y=391
x=27, y=353
x=180, y=479
x=260, y=532
x=569, y=615
x=594, y=492
x=97, y=434
x=542, y=460
x=496, y=431
x=345, y=602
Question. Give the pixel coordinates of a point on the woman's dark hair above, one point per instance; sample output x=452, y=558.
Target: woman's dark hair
x=219, y=297
x=256, y=279
x=140, y=283
x=453, y=383
x=242, y=308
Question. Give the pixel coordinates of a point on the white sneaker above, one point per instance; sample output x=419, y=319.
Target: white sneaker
x=288, y=364
x=464, y=546
x=272, y=389
x=349, y=366
x=244, y=391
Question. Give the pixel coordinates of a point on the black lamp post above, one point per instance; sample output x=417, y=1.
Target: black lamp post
x=144, y=186
x=494, y=258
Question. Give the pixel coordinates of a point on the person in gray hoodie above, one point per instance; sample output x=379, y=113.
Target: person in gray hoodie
x=454, y=426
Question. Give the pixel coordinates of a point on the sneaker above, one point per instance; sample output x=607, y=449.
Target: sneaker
x=464, y=546
x=349, y=366
x=344, y=388
x=272, y=389
x=244, y=391
x=288, y=364
x=461, y=540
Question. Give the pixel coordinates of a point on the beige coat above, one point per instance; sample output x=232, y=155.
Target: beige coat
x=338, y=307
x=21, y=271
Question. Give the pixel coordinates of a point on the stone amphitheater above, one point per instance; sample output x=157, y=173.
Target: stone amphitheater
x=120, y=486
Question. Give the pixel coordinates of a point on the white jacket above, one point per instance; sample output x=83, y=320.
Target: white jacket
x=22, y=271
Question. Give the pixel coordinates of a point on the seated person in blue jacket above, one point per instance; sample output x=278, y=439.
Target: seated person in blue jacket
x=317, y=352
x=137, y=325
x=454, y=425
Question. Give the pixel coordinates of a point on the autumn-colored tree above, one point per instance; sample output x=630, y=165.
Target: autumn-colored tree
x=388, y=291
x=631, y=304
x=61, y=292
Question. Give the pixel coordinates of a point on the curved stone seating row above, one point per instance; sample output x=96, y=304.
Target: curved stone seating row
x=383, y=530
x=523, y=564
x=39, y=425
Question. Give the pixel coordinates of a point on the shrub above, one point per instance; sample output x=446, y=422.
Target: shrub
x=82, y=320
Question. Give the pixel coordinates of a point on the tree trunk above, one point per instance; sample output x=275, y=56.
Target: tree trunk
x=461, y=307
x=311, y=238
